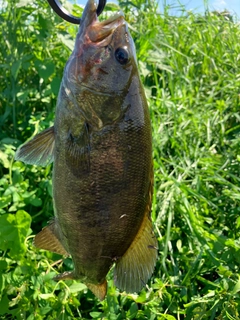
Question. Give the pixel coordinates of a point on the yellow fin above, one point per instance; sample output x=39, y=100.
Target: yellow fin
x=47, y=239
x=99, y=290
x=135, y=267
x=39, y=150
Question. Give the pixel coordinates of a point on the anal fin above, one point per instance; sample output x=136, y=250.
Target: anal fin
x=39, y=150
x=135, y=267
x=99, y=290
x=47, y=239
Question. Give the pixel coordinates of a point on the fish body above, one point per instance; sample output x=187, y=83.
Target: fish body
x=101, y=148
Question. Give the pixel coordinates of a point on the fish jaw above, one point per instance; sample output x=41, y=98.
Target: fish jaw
x=92, y=31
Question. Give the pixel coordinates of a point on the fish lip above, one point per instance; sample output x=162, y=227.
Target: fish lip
x=91, y=30
x=99, y=31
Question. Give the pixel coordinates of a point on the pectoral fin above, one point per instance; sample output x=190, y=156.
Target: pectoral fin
x=78, y=151
x=39, y=150
x=136, y=266
x=48, y=239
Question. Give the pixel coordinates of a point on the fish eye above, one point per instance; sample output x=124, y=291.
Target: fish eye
x=122, y=56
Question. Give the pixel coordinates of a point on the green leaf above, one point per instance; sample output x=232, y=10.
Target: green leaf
x=22, y=96
x=132, y=312
x=236, y=288
x=8, y=140
x=46, y=296
x=76, y=287
x=15, y=68
x=13, y=231
x=2, y=283
x=67, y=40
x=229, y=316
x=95, y=314
x=45, y=310
x=36, y=202
x=4, y=159
x=167, y=317
x=17, y=177
x=55, y=85
x=44, y=22
x=3, y=265
x=238, y=223
x=142, y=297
x=48, y=276
x=4, y=303
x=45, y=69
x=5, y=201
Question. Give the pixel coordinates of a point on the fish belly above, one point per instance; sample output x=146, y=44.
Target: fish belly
x=100, y=205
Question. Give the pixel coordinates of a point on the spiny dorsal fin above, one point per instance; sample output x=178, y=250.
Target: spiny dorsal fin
x=99, y=290
x=136, y=266
x=48, y=239
x=39, y=150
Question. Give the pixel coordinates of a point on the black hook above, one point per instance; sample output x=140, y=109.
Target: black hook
x=63, y=13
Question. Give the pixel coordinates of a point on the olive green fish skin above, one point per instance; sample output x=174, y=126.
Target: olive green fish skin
x=100, y=204
x=102, y=174
x=102, y=162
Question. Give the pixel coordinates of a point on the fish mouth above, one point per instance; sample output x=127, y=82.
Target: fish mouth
x=92, y=30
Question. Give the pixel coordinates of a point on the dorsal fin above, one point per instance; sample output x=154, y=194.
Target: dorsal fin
x=39, y=150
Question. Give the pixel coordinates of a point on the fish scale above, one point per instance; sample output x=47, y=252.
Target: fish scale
x=101, y=150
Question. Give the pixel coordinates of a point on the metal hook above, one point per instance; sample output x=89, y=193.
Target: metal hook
x=63, y=13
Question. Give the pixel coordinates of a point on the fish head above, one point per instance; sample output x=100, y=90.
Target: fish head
x=105, y=51
x=102, y=62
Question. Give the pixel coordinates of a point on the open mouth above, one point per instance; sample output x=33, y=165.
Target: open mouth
x=101, y=30
x=95, y=29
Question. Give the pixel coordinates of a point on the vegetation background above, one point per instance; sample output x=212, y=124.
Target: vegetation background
x=190, y=67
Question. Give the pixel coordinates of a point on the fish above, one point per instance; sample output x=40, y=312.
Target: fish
x=101, y=149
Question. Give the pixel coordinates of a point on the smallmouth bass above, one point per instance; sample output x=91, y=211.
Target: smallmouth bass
x=101, y=148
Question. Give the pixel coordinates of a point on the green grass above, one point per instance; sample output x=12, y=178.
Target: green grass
x=190, y=67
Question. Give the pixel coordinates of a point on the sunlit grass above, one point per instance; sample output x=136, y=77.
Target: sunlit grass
x=190, y=68
x=192, y=78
